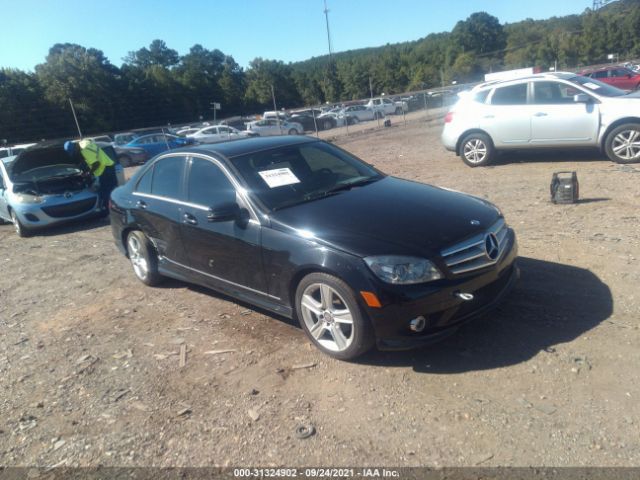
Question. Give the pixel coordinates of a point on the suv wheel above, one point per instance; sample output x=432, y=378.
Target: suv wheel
x=143, y=258
x=476, y=150
x=331, y=317
x=293, y=131
x=622, y=145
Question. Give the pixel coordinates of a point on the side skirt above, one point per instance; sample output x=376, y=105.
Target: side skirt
x=170, y=269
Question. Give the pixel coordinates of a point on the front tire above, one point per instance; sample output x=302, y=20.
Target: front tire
x=327, y=124
x=622, y=144
x=476, y=150
x=331, y=317
x=293, y=131
x=143, y=257
x=20, y=229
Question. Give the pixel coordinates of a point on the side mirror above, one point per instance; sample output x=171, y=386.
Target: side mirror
x=224, y=212
x=581, y=98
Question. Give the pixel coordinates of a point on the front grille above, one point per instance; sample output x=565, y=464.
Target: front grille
x=70, y=209
x=471, y=254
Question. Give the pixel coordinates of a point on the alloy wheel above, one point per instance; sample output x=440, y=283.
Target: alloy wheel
x=139, y=262
x=475, y=151
x=327, y=317
x=626, y=145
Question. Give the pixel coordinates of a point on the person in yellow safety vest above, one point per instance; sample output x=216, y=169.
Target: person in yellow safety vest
x=100, y=165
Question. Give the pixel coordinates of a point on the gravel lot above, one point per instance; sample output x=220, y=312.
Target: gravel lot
x=90, y=358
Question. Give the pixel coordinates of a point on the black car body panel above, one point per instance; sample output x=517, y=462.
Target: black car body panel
x=260, y=256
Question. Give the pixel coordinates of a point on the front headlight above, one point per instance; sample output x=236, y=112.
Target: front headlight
x=26, y=198
x=400, y=270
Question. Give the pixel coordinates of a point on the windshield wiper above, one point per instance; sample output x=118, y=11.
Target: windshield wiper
x=350, y=185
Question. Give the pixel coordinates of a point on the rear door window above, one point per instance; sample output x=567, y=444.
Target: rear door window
x=511, y=95
x=167, y=177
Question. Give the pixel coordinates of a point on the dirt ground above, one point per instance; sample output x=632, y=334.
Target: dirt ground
x=90, y=357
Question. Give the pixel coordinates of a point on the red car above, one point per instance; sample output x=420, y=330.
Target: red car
x=619, y=77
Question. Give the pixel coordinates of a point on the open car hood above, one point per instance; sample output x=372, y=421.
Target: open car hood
x=43, y=155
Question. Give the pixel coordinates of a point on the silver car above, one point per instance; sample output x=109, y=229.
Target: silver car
x=44, y=186
x=559, y=110
x=271, y=126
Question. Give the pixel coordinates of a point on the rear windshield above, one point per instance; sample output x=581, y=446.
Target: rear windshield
x=598, y=87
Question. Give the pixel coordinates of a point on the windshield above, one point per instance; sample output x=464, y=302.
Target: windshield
x=288, y=176
x=596, y=86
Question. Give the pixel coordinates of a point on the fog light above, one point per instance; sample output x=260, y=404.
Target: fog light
x=31, y=217
x=417, y=324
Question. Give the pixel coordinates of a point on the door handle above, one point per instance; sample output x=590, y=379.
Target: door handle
x=540, y=114
x=141, y=204
x=190, y=219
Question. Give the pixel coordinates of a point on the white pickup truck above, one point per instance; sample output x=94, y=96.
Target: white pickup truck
x=388, y=106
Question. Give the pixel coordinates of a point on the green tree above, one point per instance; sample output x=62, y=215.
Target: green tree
x=84, y=75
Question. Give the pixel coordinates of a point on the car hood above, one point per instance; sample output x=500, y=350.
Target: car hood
x=44, y=155
x=390, y=216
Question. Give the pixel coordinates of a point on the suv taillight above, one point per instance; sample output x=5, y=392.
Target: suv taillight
x=448, y=118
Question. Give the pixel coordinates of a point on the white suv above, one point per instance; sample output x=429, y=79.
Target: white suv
x=557, y=110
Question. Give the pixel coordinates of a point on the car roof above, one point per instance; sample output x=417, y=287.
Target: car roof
x=537, y=76
x=244, y=146
x=153, y=135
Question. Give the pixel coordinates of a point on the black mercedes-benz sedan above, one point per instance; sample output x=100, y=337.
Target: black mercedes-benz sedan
x=302, y=228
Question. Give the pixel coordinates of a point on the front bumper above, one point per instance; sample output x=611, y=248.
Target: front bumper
x=441, y=305
x=57, y=209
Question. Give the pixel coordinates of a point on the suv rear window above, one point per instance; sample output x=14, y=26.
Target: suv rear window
x=511, y=95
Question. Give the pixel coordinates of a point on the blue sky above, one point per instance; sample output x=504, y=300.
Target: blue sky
x=287, y=30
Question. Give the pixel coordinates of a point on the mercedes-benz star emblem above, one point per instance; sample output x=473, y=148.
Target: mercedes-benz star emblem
x=491, y=246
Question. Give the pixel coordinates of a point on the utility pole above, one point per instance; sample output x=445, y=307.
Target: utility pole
x=73, y=110
x=275, y=109
x=329, y=79
x=326, y=18
x=370, y=87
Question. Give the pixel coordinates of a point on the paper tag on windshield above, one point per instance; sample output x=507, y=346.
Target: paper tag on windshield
x=592, y=86
x=279, y=177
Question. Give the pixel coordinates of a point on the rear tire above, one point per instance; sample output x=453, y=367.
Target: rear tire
x=331, y=317
x=622, y=144
x=476, y=150
x=327, y=124
x=144, y=258
x=293, y=131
